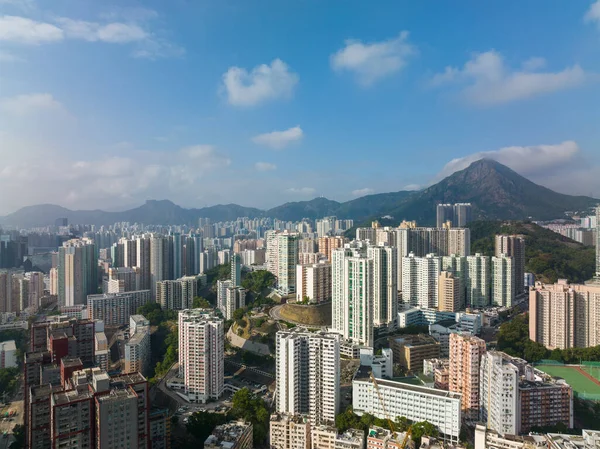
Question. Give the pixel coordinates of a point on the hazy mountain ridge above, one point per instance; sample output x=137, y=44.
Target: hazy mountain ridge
x=496, y=192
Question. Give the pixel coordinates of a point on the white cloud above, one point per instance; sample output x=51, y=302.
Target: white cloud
x=30, y=103
x=27, y=31
x=147, y=44
x=487, y=81
x=263, y=83
x=301, y=190
x=593, y=14
x=526, y=160
x=265, y=166
x=362, y=192
x=278, y=140
x=373, y=61
x=115, y=32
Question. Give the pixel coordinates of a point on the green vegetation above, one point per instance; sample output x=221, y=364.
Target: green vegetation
x=258, y=281
x=513, y=339
x=587, y=413
x=349, y=420
x=201, y=424
x=9, y=380
x=19, y=434
x=253, y=409
x=314, y=315
x=164, y=341
x=155, y=314
x=548, y=255
x=218, y=273
x=201, y=303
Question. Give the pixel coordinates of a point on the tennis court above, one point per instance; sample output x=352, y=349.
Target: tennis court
x=577, y=380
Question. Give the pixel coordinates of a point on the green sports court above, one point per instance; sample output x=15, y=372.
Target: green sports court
x=580, y=383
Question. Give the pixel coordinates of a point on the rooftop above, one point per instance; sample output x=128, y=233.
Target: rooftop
x=363, y=374
x=65, y=397
x=415, y=340
x=8, y=346
x=286, y=417
x=226, y=435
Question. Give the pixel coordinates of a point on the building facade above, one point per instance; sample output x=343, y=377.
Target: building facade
x=464, y=371
x=201, y=354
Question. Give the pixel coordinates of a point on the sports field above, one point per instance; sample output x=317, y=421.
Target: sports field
x=577, y=380
x=594, y=371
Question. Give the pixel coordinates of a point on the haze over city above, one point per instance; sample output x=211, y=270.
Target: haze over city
x=107, y=104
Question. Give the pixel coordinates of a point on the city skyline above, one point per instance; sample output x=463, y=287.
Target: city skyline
x=135, y=103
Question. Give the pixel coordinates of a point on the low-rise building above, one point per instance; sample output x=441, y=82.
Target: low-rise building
x=233, y=435
x=416, y=403
x=411, y=350
x=381, y=364
x=439, y=369
x=289, y=431
x=490, y=439
x=380, y=438
x=327, y=437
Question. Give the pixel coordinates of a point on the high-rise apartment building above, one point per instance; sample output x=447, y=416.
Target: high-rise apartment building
x=77, y=271
x=328, y=244
x=122, y=279
x=449, y=298
x=137, y=347
x=236, y=270
x=514, y=397
x=201, y=354
x=457, y=266
x=478, y=281
x=465, y=360
x=313, y=282
x=352, y=294
x=420, y=277
x=385, y=285
x=597, y=276
x=143, y=260
x=178, y=294
x=230, y=298
x=161, y=260
x=513, y=246
x=565, y=315
x=503, y=281
x=36, y=288
x=287, y=259
x=116, y=308
x=458, y=214
x=308, y=375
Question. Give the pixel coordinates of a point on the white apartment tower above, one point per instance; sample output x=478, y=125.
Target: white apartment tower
x=352, y=294
x=478, y=281
x=385, y=284
x=503, y=280
x=201, y=354
x=287, y=258
x=420, y=277
x=499, y=395
x=308, y=375
x=513, y=246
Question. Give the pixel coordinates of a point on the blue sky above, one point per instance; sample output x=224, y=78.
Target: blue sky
x=105, y=105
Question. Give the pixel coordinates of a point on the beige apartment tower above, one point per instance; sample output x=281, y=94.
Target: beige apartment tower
x=465, y=360
x=449, y=298
x=564, y=315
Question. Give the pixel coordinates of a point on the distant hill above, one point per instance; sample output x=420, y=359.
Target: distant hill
x=496, y=192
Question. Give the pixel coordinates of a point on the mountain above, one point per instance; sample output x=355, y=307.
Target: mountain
x=295, y=211
x=496, y=192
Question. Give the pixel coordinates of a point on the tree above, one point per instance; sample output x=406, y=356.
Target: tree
x=201, y=303
x=258, y=281
x=238, y=314
x=252, y=408
x=201, y=425
x=19, y=434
